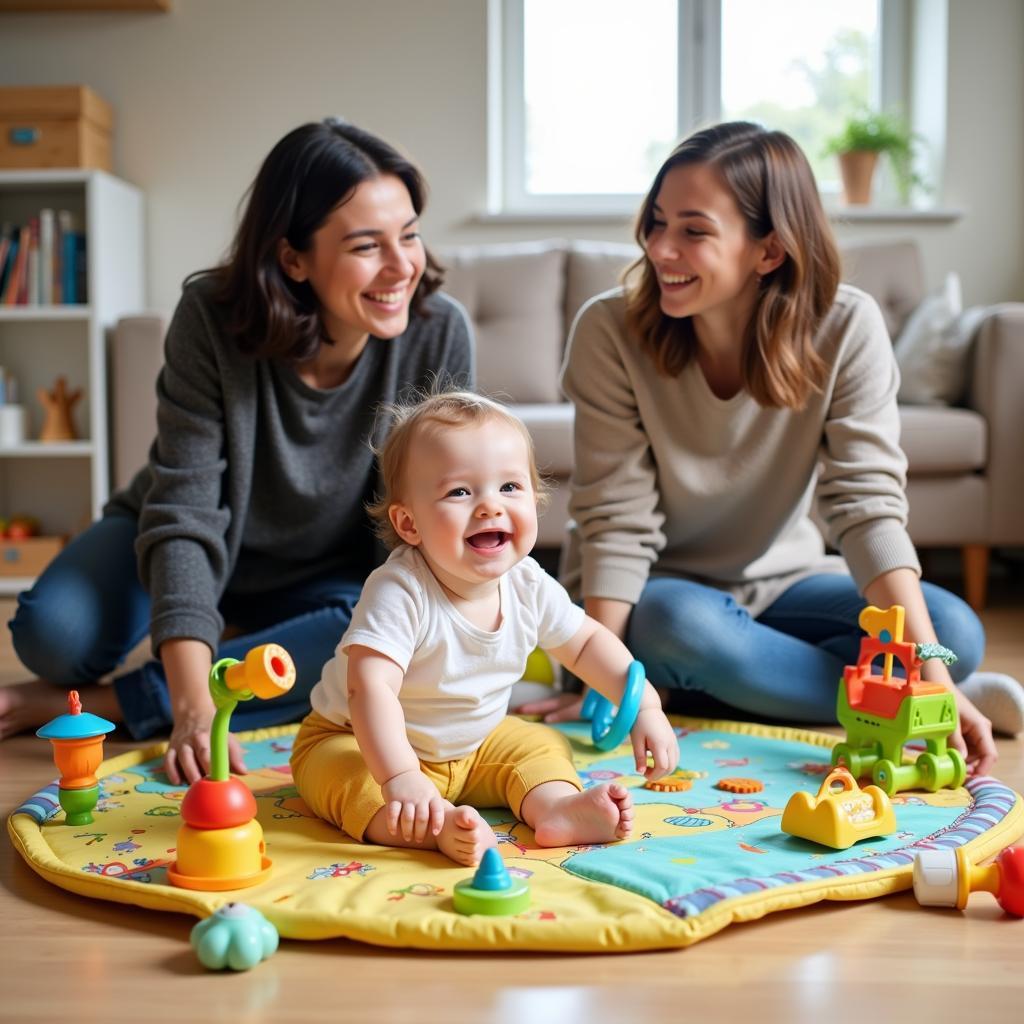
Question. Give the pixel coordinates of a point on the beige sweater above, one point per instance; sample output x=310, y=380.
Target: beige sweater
x=672, y=480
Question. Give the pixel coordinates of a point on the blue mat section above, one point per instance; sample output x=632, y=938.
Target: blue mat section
x=697, y=847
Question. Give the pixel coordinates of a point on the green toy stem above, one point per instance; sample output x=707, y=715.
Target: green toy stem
x=219, y=742
x=225, y=701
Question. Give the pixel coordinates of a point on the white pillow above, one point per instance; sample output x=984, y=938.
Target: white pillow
x=934, y=347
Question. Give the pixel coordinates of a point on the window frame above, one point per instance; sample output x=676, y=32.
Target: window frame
x=699, y=100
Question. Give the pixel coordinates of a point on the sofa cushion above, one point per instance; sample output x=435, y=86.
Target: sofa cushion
x=943, y=440
x=892, y=273
x=514, y=295
x=934, y=347
x=949, y=510
x=592, y=268
x=550, y=425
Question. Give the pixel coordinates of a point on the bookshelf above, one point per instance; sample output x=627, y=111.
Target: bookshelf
x=65, y=484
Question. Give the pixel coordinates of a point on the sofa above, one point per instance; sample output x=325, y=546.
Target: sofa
x=966, y=474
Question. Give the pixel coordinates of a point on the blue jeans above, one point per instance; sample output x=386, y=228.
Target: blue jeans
x=784, y=664
x=88, y=610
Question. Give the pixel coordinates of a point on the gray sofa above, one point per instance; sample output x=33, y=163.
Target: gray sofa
x=966, y=475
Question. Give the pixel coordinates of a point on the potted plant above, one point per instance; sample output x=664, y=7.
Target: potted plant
x=858, y=146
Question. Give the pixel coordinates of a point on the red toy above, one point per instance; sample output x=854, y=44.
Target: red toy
x=945, y=878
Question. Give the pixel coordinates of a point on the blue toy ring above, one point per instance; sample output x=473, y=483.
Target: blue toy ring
x=609, y=725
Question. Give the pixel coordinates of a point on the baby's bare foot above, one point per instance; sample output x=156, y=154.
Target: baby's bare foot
x=598, y=815
x=465, y=835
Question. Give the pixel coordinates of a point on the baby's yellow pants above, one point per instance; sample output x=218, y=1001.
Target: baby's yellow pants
x=332, y=777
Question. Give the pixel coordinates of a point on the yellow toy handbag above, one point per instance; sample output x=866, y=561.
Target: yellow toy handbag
x=839, y=817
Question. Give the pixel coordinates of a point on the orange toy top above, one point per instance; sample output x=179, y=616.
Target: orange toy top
x=882, y=695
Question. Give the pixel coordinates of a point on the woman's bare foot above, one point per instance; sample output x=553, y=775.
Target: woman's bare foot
x=465, y=835
x=599, y=815
x=25, y=706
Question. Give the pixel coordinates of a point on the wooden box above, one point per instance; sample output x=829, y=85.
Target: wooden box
x=54, y=126
x=28, y=557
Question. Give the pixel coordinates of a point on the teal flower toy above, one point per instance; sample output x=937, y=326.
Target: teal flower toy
x=236, y=936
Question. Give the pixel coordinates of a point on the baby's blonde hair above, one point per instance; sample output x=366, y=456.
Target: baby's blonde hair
x=448, y=409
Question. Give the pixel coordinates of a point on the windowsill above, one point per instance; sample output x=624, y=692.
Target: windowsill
x=893, y=215
x=555, y=217
x=836, y=214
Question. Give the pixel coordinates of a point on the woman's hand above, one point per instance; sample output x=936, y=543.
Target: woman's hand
x=188, y=751
x=974, y=738
x=652, y=733
x=413, y=801
x=187, y=668
x=562, y=707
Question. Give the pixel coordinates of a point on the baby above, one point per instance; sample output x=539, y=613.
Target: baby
x=409, y=732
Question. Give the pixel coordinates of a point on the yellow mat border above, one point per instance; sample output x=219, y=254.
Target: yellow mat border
x=647, y=926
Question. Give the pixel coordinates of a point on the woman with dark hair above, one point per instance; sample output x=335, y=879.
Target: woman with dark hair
x=250, y=512
x=709, y=391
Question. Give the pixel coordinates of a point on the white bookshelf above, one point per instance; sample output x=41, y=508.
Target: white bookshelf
x=65, y=484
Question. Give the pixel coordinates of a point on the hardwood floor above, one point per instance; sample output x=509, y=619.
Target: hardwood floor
x=66, y=956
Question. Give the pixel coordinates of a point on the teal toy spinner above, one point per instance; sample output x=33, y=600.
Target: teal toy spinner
x=491, y=890
x=610, y=726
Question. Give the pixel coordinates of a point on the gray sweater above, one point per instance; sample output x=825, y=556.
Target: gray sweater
x=672, y=480
x=257, y=481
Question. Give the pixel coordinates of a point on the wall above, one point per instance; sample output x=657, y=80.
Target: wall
x=203, y=92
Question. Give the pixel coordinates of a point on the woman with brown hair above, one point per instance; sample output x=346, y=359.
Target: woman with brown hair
x=729, y=383
x=251, y=512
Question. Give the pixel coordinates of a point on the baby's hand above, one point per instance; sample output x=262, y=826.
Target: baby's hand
x=652, y=733
x=411, y=799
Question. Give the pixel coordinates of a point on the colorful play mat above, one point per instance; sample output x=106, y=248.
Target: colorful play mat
x=699, y=858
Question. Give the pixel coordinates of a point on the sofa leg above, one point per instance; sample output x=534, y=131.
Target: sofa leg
x=975, y=570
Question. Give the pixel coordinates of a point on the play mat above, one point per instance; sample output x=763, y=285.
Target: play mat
x=697, y=861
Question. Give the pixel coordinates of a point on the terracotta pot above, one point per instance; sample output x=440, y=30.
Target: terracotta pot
x=857, y=169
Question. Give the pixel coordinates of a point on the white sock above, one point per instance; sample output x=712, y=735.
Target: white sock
x=1000, y=698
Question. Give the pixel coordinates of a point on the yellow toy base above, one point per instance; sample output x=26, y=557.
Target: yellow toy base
x=218, y=884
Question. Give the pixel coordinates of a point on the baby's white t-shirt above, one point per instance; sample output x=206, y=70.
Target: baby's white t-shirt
x=458, y=677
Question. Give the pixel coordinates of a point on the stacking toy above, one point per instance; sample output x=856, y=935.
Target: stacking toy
x=945, y=878
x=491, y=890
x=883, y=712
x=609, y=725
x=220, y=843
x=236, y=936
x=77, y=740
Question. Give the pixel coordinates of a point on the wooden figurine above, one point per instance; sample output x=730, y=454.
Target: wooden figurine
x=57, y=405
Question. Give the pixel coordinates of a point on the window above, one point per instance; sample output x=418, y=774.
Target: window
x=589, y=96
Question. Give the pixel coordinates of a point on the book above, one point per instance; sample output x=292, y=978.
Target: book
x=17, y=285
x=47, y=229
x=7, y=250
x=12, y=262
x=33, y=276
x=72, y=259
